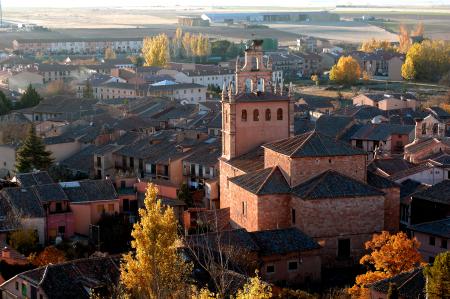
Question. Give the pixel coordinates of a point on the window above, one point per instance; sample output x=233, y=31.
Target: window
x=444, y=243
x=359, y=144
x=99, y=162
x=100, y=209
x=124, y=161
x=244, y=208
x=270, y=269
x=268, y=116
x=17, y=285
x=344, y=248
x=58, y=207
x=131, y=162
x=432, y=241
x=244, y=115
x=293, y=216
x=24, y=290
x=435, y=129
x=141, y=164
x=280, y=114
x=256, y=115
x=61, y=229
x=292, y=265
x=424, y=129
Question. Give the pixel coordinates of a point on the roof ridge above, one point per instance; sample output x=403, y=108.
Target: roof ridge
x=411, y=277
x=266, y=179
x=321, y=176
x=311, y=133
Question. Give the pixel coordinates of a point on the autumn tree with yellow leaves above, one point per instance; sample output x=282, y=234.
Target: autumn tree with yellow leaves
x=427, y=61
x=110, y=53
x=155, y=269
x=155, y=50
x=346, y=71
x=374, y=44
x=390, y=255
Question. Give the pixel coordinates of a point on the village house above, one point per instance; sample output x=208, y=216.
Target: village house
x=19, y=82
x=89, y=200
x=57, y=281
x=291, y=65
x=381, y=64
x=294, y=179
x=433, y=236
x=382, y=139
x=387, y=102
x=77, y=45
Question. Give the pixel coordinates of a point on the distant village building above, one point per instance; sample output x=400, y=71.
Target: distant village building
x=387, y=101
x=381, y=64
x=192, y=21
x=77, y=45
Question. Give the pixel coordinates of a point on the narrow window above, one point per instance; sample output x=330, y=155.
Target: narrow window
x=280, y=114
x=244, y=115
x=270, y=269
x=256, y=115
x=268, y=116
x=424, y=129
x=344, y=248
x=244, y=208
x=444, y=243
x=293, y=216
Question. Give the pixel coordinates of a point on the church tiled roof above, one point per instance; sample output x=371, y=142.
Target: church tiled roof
x=249, y=162
x=313, y=144
x=261, y=182
x=332, y=184
x=380, y=182
x=283, y=241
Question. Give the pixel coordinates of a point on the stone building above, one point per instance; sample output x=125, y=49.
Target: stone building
x=311, y=181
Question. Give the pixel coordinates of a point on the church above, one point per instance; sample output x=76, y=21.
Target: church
x=272, y=179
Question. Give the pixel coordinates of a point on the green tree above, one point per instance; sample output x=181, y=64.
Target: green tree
x=184, y=194
x=30, y=98
x=155, y=269
x=5, y=104
x=24, y=240
x=438, y=277
x=32, y=154
x=392, y=291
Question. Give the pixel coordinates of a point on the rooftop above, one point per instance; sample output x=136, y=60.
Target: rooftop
x=262, y=182
x=439, y=228
x=313, y=144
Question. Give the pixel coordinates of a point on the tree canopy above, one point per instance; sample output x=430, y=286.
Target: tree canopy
x=427, y=61
x=5, y=104
x=32, y=154
x=155, y=50
x=346, y=71
x=30, y=98
x=438, y=277
x=389, y=256
x=155, y=269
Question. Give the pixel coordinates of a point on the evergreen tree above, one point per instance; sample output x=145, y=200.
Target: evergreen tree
x=88, y=91
x=5, y=104
x=393, y=291
x=30, y=98
x=438, y=277
x=32, y=154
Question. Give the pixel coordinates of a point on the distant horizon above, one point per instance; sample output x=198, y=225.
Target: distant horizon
x=219, y=4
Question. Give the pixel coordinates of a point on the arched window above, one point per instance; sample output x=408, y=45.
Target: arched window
x=244, y=115
x=256, y=115
x=280, y=114
x=268, y=116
